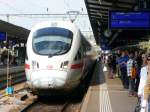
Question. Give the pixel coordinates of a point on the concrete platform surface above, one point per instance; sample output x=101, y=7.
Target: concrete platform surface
x=107, y=95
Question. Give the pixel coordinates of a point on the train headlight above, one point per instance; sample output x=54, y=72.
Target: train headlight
x=35, y=64
x=64, y=64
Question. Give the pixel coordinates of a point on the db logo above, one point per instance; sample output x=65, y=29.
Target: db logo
x=49, y=67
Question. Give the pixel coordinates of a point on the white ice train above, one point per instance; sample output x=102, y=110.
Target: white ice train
x=56, y=57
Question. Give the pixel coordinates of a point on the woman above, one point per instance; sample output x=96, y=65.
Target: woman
x=145, y=105
x=143, y=78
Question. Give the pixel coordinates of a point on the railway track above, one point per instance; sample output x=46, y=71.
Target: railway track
x=48, y=105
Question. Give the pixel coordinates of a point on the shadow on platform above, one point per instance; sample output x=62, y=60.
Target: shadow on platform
x=98, y=75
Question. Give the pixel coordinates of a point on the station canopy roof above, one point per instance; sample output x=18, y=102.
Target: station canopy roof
x=98, y=12
x=14, y=32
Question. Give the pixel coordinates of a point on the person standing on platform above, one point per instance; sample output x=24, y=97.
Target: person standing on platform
x=109, y=63
x=114, y=66
x=143, y=78
x=132, y=74
x=118, y=74
x=145, y=104
x=123, y=69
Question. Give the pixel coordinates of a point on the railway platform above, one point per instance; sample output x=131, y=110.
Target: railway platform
x=107, y=95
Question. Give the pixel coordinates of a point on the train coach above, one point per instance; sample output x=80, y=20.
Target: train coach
x=56, y=57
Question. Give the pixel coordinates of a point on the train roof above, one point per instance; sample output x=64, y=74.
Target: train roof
x=64, y=24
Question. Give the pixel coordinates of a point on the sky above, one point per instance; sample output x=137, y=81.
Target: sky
x=43, y=7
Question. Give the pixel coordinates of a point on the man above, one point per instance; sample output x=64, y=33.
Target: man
x=131, y=65
x=123, y=69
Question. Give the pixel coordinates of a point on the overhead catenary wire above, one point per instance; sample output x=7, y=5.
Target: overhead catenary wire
x=56, y=16
x=42, y=15
x=19, y=13
x=46, y=15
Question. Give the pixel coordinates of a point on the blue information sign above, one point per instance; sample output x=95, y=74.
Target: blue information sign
x=129, y=20
x=2, y=36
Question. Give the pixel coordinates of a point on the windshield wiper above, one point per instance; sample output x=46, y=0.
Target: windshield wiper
x=50, y=55
x=56, y=53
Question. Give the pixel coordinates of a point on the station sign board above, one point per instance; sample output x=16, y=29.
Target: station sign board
x=3, y=36
x=129, y=19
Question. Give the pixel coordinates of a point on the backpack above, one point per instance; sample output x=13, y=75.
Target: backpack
x=134, y=71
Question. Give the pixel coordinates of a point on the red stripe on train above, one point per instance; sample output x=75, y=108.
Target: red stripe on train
x=27, y=66
x=76, y=66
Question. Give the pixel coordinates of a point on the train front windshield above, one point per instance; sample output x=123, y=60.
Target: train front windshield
x=52, y=41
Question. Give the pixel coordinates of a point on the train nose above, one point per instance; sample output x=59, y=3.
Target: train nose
x=50, y=79
x=45, y=83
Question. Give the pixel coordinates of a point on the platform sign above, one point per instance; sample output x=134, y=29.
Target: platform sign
x=129, y=20
x=2, y=36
